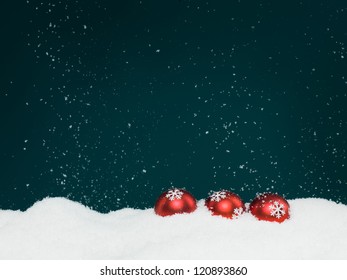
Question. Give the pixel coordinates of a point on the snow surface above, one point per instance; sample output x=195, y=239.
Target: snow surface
x=57, y=228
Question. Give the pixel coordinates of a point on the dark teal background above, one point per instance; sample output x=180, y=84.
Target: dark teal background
x=111, y=102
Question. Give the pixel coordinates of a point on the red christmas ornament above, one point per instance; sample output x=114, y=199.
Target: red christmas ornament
x=270, y=207
x=226, y=204
x=175, y=201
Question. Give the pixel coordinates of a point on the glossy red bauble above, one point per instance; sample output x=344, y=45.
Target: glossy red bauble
x=270, y=207
x=175, y=201
x=226, y=204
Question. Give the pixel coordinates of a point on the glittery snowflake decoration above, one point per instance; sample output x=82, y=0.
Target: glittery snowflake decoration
x=174, y=194
x=237, y=212
x=277, y=210
x=218, y=196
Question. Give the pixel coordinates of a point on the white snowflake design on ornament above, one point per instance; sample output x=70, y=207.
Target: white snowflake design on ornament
x=218, y=196
x=174, y=194
x=237, y=212
x=277, y=210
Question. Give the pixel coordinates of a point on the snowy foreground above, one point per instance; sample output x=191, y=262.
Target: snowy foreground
x=57, y=228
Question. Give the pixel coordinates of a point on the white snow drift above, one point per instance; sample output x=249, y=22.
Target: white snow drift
x=57, y=228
